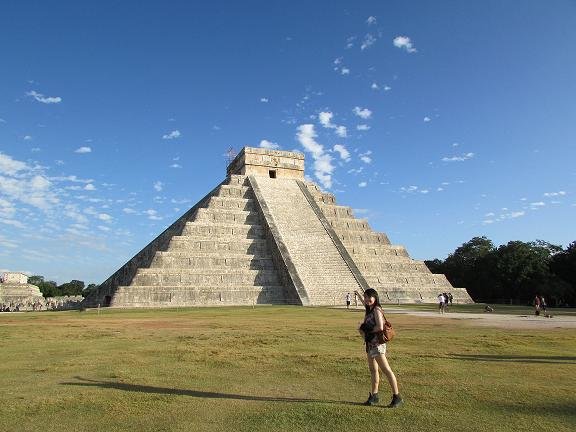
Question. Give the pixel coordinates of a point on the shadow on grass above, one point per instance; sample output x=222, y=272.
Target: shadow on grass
x=194, y=393
x=514, y=359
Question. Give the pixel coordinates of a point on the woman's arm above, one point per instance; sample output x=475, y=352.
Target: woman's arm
x=379, y=316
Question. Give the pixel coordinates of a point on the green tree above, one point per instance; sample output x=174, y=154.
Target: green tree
x=523, y=270
x=36, y=280
x=563, y=264
x=469, y=267
x=72, y=288
x=49, y=289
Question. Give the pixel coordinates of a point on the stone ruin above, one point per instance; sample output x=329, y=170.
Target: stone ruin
x=16, y=292
x=17, y=295
x=265, y=235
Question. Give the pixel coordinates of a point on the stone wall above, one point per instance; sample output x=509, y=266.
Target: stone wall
x=261, y=162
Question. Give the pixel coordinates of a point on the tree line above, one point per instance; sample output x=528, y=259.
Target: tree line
x=514, y=272
x=52, y=289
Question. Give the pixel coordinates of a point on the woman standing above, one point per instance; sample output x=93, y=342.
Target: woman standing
x=376, y=352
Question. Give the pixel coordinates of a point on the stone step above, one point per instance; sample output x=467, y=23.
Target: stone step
x=380, y=266
x=334, y=211
x=188, y=243
x=393, y=281
x=236, y=179
x=376, y=250
x=234, y=191
x=200, y=278
x=222, y=230
x=369, y=237
x=172, y=296
x=182, y=260
x=340, y=225
x=405, y=278
x=233, y=203
x=227, y=216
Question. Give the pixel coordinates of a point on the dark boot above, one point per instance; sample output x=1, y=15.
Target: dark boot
x=396, y=401
x=373, y=399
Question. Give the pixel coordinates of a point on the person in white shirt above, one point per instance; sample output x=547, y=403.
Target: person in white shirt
x=441, y=303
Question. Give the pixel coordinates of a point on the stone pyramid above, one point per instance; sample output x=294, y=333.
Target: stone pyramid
x=267, y=236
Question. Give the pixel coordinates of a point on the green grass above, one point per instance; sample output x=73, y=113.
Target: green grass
x=275, y=368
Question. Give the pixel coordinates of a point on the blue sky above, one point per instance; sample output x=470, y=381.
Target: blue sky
x=437, y=121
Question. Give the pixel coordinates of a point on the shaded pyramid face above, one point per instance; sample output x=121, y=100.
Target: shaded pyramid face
x=266, y=236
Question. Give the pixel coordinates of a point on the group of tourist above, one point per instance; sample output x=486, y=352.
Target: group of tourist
x=539, y=304
x=444, y=300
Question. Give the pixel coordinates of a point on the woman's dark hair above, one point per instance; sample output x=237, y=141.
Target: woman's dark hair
x=371, y=292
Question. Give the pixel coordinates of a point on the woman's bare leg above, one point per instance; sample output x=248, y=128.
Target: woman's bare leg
x=382, y=361
x=374, y=375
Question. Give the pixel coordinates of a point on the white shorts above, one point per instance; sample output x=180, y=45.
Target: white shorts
x=377, y=350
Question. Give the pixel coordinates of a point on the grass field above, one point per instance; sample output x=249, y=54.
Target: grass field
x=275, y=368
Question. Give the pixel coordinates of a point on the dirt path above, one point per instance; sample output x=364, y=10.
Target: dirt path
x=497, y=320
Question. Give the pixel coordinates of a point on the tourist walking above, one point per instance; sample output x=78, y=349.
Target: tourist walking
x=537, y=304
x=376, y=352
x=441, y=303
x=348, y=298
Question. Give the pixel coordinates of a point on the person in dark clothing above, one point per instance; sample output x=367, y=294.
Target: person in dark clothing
x=375, y=351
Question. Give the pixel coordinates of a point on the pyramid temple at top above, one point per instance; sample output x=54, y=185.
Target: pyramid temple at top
x=265, y=235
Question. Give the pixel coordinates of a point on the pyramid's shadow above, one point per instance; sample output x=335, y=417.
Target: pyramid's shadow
x=85, y=382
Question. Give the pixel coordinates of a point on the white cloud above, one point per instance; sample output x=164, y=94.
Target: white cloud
x=371, y=20
x=325, y=119
x=387, y=88
x=363, y=127
x=89, y=187
x=365, y=157
x=104, y=217
x=269, y=145
x=27, y=138
x=152, y=215
x=343, y=151
x=172, y=135
x=175, y=166
x=512, y=215
x=41, y=98
x=368, y=41
x=323, y=167
x=362, y=184
x=375, y=86
x=345, y=71
x=461, y=158
x=10, y=166
x=427, y=119
x=158, y=186
x=404, y=42
x=341, y=131
x=264, y=100
x=537, y=204
x=554, y=194
x=364, y=113
x=128, y=210
x=82, y=150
